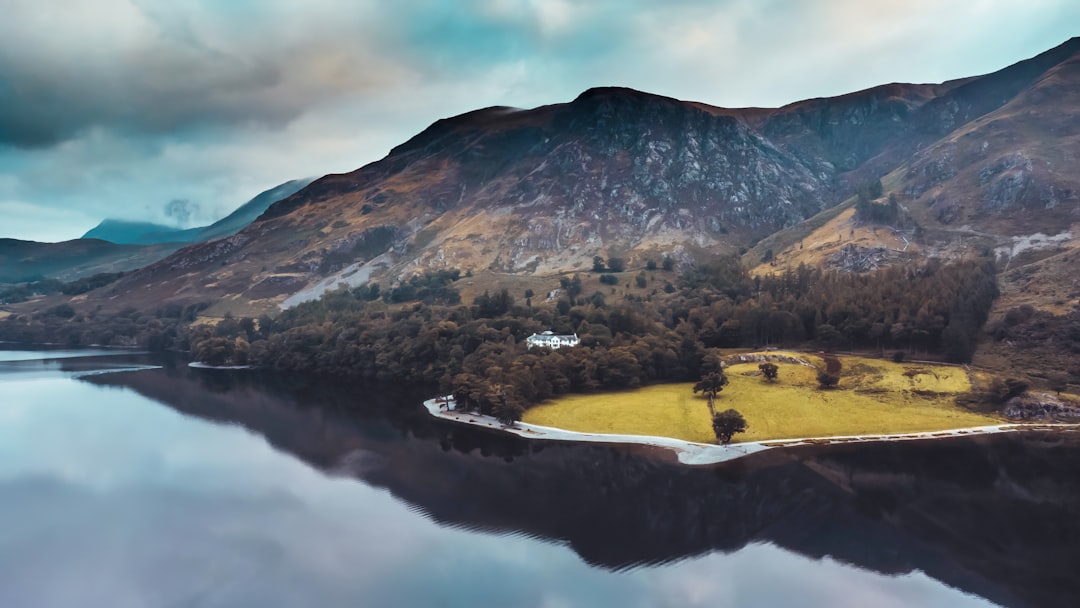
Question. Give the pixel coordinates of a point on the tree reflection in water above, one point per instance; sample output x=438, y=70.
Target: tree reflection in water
x=997, y=516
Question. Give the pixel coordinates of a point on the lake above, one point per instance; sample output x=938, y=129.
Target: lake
x=134, y=481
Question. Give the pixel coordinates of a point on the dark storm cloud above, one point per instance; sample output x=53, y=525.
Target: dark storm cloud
x=153, y=68
x=113, y=108
x=138, y=69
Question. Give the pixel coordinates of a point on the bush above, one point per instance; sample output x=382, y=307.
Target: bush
x=827, y=380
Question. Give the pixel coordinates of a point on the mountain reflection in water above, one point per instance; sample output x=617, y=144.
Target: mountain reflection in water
x=997, y=516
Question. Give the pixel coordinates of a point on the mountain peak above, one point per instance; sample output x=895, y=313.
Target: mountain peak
x=620, y=93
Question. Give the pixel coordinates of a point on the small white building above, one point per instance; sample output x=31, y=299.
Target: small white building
x=551, y=340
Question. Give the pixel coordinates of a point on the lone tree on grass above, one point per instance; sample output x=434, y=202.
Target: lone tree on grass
x=711, y=384
x=727, y=423
x=770, y=371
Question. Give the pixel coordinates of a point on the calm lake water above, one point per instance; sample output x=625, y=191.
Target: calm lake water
x=176, y=487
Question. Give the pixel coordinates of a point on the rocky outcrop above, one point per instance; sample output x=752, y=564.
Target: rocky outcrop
x=1042, y=406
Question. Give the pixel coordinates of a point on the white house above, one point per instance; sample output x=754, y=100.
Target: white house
x=551, y=340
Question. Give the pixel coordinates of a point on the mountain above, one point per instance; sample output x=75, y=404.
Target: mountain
x=248, y=212
x=980, y=163
x=123, y=232
x=22, y=261
x=118, y=245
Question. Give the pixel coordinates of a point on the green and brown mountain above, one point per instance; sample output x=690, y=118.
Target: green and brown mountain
x=980, y=164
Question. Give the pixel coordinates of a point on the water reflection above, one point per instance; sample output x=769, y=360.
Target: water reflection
x=144, y=506
x=996, y=516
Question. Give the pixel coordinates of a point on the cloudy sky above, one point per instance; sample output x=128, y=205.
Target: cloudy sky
x=181, y=110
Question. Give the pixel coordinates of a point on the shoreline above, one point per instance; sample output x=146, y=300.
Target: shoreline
x=201, y=365
x=698, y=454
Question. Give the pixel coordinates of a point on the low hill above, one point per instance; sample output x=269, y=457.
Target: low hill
x=22, y=261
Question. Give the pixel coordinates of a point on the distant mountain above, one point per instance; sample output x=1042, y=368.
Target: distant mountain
x=118, y=245
x=247, y=213
x=123, y=232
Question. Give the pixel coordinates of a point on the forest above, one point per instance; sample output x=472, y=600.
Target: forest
x=418, y=330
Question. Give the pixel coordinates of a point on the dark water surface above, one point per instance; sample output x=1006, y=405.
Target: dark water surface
x=204, y=488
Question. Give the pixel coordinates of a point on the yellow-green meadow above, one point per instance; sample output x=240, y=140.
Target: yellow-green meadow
x=874, y=397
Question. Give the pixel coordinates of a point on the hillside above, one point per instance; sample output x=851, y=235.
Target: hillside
x=975, y=164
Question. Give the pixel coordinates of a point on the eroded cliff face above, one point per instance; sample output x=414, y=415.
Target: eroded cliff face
x=620, y=172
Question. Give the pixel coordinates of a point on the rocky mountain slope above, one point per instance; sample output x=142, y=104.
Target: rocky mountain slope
x=980, y=162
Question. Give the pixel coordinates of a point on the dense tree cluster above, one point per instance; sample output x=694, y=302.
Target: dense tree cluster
x=21, y=292
x=877, y=213
x=418, y=330
x=1027, y=327
x=477, y=351
x=165, y=329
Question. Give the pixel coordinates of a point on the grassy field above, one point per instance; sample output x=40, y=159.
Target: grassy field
x=874, y=397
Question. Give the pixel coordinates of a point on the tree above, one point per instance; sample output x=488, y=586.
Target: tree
x=727, y=423
x=770, y=371
x=598, y=264
x=640, y=280
x=829, y=337
x=616, y=264
x=1058, y=382
x=668, y=263
x=711, y=384
x=650, y=264
x=504, y=403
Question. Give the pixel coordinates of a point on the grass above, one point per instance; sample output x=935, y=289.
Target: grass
x=875, y=397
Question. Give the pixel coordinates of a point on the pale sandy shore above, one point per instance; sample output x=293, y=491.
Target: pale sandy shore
x=689, y=452
x=199, y=365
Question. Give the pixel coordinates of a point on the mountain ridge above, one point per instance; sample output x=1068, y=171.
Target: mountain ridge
x=615, y=171
x=124, y=232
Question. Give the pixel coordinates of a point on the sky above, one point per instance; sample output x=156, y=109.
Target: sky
x=179, y=111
